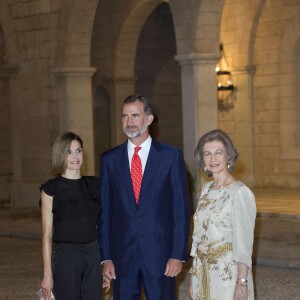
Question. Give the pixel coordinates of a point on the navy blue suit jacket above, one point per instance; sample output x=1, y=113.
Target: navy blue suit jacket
x=160, y=224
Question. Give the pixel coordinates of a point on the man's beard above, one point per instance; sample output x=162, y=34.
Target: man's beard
x=137, y=133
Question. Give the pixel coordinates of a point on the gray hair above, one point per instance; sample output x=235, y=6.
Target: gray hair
x=223, y=137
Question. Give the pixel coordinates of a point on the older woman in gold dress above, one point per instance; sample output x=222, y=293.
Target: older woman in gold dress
x=223, y=226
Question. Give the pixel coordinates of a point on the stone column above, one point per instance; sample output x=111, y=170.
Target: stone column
x=199, y=105
x=243, y=114
x=23, y=192
x=17, y=187
x=118, y=89
x=76, y=108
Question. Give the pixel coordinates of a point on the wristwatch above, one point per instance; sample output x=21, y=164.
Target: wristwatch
x=242, y=281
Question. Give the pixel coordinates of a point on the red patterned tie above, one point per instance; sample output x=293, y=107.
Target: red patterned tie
x=136, y=173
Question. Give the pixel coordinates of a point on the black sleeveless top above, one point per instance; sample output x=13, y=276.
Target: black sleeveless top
x=75, y=208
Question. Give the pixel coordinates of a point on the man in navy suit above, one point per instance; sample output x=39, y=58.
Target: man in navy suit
x=143, y=241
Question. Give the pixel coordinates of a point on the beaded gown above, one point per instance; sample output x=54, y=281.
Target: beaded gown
x=223, y=235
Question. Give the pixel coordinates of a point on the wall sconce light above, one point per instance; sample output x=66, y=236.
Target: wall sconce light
x=225, y=84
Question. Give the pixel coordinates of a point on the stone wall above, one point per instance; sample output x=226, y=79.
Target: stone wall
x=67, y=65
x=5, y=130
x=263, y=36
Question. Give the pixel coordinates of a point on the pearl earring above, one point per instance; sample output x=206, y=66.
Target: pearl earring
x=205, y=169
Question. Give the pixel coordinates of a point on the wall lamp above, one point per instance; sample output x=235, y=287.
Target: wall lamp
x=225, y=84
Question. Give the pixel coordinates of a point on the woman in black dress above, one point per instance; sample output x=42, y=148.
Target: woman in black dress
x=70, y=210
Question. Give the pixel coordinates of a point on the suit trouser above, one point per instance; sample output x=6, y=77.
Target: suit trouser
x=129, y=286
x=77, y=271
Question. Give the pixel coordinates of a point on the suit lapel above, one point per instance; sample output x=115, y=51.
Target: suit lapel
x=122, y=165
x=151, y=169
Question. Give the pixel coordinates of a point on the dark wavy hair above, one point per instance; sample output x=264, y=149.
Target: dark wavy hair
x=223, y=137
x=60, y=150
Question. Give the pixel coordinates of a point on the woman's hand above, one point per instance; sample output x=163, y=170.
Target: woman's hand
x=241, y=288
x=106, y=283
x=190, y=287
x=47, y=286
x=240, y=292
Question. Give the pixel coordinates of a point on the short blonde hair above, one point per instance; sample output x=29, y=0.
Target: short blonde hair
x=60, y=150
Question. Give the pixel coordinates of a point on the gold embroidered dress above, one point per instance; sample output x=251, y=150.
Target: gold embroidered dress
x=223, y=235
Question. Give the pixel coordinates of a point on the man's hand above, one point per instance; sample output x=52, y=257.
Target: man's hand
x=173, y=267
x=108, y=270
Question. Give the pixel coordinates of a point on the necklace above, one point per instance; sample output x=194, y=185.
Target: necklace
x=206, y=199
x=224, y=182
x=211, y=195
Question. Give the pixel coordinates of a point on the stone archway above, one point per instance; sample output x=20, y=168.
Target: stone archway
x=238, y=34
x=11, y=56
x=158, y=75
x=102, y=130
x=126, y=44
x=114, y=49
x=125, y=60
x=289, y=91
x=74, y=37
x=197, y=27
x=275, y=99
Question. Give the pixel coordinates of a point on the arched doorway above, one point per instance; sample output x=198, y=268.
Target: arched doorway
x=158, y=75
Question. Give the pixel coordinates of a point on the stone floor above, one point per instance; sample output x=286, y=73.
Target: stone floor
x=280, y=202
x=21, y=271
x=276, y=250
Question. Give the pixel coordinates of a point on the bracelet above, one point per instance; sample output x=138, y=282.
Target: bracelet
x=242, y=281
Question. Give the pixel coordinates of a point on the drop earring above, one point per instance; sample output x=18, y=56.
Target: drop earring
x=205, y=169
x=228, y=165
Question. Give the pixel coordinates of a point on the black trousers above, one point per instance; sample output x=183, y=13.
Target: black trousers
x=77, y=271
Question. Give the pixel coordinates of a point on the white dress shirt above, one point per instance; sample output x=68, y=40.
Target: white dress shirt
x=143, y=153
